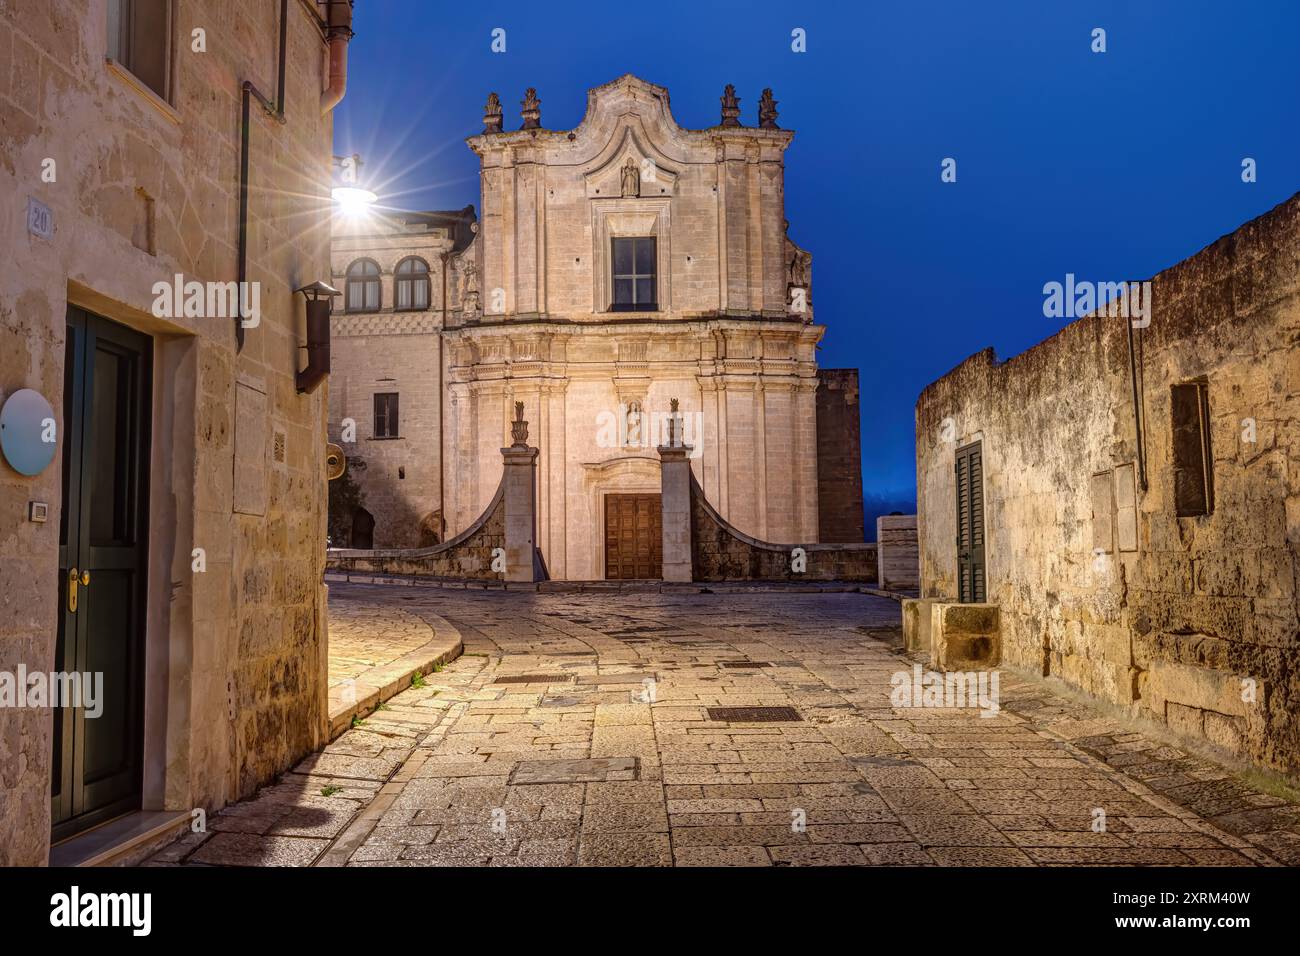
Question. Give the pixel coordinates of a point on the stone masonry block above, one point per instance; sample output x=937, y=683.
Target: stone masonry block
x=916, y=624
x=965, y=636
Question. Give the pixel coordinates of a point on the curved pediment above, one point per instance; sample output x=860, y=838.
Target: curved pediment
x=630, y=105
x=604, y=175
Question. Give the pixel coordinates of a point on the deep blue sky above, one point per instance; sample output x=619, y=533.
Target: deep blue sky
x=1110, y=166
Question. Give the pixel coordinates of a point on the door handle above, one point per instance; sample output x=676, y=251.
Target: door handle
x=73, y=580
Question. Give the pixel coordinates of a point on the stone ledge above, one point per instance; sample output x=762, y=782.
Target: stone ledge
x=916, y=625
x=121, y=842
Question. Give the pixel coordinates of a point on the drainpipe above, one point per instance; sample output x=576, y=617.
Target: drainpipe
x=338, y=32
x=442, y=400
x=1137, y=406
x=275, y=110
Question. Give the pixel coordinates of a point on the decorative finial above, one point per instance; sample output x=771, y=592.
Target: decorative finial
x=492, y=114
x=730, y=107
x=673, y=439
x=519, y=427
x=532, y=112
x=767, y=111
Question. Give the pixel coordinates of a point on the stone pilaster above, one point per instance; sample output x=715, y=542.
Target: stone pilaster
x=675, y=500
x=521, y=511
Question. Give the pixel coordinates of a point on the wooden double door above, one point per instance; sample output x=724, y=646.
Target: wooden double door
x=96, y=771
x=633, y=537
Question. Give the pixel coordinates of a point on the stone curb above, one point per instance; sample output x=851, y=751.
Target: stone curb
x=585, y=587
x=899, y=596
x=381, y=683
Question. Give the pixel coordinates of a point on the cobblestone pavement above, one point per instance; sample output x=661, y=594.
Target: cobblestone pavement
x=606, y=754
x=365, y=634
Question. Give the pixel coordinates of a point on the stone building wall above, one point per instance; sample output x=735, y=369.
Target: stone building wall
x=839, y=457
x=467, y=556
x=1189, y=620
x=528, y=318
x=146, y=187
x=390, y=350
x=531, y=321
x=896, y=545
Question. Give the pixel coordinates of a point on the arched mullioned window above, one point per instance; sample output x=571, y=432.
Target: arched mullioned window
x=412, y=284
x=363, y=286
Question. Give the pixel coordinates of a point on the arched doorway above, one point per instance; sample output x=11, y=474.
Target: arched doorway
x=363, y=529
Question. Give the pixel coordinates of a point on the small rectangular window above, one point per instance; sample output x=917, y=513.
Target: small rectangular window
x=385, y=415
x=139, y=38
x=634, y=275
x=1193, y=460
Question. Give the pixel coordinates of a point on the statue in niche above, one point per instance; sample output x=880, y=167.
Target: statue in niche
x=631, y=179
x=798, y=293
x=469, y=288
x=633, y=424
x=799, y=267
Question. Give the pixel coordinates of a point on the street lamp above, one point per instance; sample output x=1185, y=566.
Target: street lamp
x=352, y=198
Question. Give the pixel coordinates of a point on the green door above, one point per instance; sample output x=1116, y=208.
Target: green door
x=103, y=535
x=970, y=523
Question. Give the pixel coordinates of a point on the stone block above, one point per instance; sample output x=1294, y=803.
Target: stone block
x=1226, y=732
x=1199, y=687
x=916, y=624
x=965, y=636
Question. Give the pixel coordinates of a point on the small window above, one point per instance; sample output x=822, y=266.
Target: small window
x=635, y=288
x=385, y=415
x=363, y=286
x=1193, y=461
x=139, y=38
x=412, y=292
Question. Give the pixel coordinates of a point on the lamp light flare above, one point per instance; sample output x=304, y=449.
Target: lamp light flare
x=352, y=200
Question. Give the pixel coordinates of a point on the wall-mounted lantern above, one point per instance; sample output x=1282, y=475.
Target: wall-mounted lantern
x=319, y=296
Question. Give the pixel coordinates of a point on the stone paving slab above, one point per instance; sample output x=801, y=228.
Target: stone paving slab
x=622, y=767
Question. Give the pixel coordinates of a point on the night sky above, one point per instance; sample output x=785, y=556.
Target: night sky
x=1108, y=165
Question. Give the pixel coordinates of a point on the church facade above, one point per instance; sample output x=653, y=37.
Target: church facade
x=614, y=267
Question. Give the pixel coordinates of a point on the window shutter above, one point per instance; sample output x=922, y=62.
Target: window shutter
x=1193, y=489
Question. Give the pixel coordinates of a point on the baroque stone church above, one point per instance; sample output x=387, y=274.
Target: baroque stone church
x=614, y=267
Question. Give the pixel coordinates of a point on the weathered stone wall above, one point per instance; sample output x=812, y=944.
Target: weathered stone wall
x=1202, y=611
x=839, y=457
x=146, y=187
x=719, y=552
x=899, y=556
x=468, y=555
